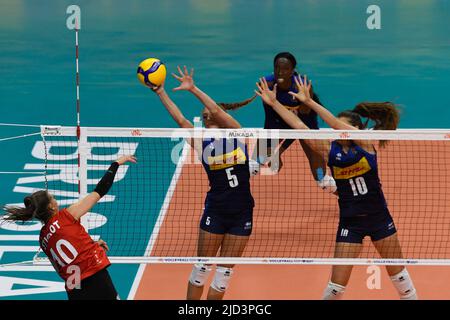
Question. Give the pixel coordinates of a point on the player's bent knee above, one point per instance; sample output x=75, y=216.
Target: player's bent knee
x=404, y=285
x=199, y=275
x=333, y=291
x=221, y=278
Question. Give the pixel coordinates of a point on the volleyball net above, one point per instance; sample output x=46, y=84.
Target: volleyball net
x=153, y=210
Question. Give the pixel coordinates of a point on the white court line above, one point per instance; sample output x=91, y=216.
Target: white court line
x=31, y=268
x=4, y=249
x=17, y=237
x=21, y=172
x=161, y=216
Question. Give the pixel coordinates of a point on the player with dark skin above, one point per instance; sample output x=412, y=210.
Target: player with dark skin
x=283, y=76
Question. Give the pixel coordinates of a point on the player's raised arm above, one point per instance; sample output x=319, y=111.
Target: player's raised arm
x=337, y=123
x=176, y=114
x=304, y=95
x=172, y=108
x=269, y=97
x=222, y=118
x=80, y=208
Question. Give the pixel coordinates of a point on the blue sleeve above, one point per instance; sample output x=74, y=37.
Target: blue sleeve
x=270, y=78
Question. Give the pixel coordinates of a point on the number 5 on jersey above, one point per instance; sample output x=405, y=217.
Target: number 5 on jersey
x=232, y=178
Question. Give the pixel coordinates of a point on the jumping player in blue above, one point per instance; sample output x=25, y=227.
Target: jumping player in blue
x=283, y=76
x=226, y=223
x=362, y=205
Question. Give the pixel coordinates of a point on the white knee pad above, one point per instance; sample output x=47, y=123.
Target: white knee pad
x=221, y=278
x=328, y=184
x=404, y=285
x=199, y=274
x=254, y=167
x=333, y=291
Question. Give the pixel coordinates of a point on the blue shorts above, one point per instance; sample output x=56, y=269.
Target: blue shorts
x=217, y=222
x=355, y=229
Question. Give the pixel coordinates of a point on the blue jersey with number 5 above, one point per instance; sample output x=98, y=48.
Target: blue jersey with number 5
x=226, y=164
x=357, y=180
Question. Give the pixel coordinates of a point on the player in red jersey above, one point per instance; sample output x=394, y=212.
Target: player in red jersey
x=79, y=260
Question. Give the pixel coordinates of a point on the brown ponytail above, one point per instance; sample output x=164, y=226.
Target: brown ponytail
x=385, y=115
x=36, y=206
x=236, y=105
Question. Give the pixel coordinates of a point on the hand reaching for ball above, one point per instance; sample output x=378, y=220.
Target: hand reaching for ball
x=186, y=79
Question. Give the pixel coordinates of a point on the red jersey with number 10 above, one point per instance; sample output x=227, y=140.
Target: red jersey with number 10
x=66, y=243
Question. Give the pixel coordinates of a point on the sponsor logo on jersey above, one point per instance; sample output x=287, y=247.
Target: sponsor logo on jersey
x=248, y=225
x=357, y=169
x=227, y=160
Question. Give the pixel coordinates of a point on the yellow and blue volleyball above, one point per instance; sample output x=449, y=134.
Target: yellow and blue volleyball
x=151, y=72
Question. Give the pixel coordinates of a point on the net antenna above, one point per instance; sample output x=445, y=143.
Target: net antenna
x=81, y=139
x=81, y=161
x=77, y=76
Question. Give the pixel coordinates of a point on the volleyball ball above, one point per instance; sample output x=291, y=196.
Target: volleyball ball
x=151, y=72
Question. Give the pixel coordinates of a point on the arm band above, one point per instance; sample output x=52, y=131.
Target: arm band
x=106, y=182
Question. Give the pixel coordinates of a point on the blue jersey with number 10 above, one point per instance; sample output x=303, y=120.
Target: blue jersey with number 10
x=357, y=180
x=226, y=164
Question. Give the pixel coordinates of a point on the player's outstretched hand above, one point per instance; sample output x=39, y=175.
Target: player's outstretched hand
x=127, y=158
x=185, y=78
x=304, y=89
x=158, y=89
x=267, y=95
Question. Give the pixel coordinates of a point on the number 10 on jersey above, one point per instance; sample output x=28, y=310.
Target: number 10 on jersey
x=359, y=186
